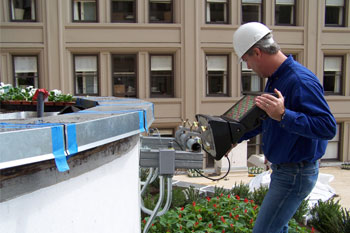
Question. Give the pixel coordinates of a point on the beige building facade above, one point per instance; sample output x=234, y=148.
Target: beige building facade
x=177, y=54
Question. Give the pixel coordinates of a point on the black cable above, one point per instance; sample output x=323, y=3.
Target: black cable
x=201, y=174
x=217, y=179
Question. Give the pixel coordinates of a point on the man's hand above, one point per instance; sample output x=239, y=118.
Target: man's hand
x=274, y=107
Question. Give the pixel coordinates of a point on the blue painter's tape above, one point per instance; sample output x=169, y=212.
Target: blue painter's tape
x=141, y=121
x=58, y=148
x=72, y=139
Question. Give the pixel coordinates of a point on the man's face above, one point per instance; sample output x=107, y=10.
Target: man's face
x=254, y=63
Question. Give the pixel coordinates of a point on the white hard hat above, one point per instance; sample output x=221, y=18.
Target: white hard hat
x=247, y=35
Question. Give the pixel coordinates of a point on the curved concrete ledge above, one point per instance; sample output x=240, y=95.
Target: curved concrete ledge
x=106, y=119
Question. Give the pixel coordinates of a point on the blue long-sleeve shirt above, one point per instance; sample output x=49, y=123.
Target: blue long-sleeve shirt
x=308, y=123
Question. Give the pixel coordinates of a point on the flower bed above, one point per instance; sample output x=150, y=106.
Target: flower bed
x=14, y=97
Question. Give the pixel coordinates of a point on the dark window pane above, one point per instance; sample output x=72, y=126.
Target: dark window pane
x=216, y=82
x=216, y=12
x=284, y=15
x=161, y=83
x=251, y=13
x=22, y=10
x=123, y=11
x=124, y=75
x=160, y=12
x=333, y=16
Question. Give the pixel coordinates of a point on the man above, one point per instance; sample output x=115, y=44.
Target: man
x=295, y=134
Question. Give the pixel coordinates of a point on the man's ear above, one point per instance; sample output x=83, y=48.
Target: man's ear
x=257, y=52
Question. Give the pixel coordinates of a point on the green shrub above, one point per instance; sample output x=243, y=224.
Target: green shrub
x=301, y=211
x=259, y=194
x=329, y=217
x=241, y=190
x=192, y=195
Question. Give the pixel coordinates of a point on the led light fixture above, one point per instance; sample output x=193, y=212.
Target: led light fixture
x=219, y=133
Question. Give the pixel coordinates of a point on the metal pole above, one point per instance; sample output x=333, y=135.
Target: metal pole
x=40, y=105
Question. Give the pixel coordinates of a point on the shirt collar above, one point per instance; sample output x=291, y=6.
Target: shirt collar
x=282, y=67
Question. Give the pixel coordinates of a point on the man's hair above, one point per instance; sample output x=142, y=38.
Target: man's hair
x=266, y=44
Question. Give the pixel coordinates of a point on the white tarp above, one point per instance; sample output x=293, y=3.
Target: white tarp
x=322, y=190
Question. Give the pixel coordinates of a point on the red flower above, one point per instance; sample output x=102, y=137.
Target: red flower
x=144, y=221
x=223, y=231
x=312, y=230
x=237, y=197
x=229, y=196
x=215, y=205
x=252, y=201
x=200, y=218
x=231, y=225
x=194, y=204
x=210, y=225
x=222, y=219
x=230, y=215
x=255, y=207
x=208, y=198
x=245, y=211
x=182, y=208
x=237, y=216
x=180, y=216
x=246, y=200
x=180, y=227
x=251, y=221
x=221, y=194
x=196, y=224
x=217, y=197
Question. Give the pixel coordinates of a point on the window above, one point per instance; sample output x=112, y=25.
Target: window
x=162, y=76
x=335, y=13
x=84, y=11
x=332, y=75
x=217, y=73
x=332, y=150
x=25, y=71
x=86, y=75
x=217, y=11
x=251, y=11
x=254, y=146
x=124, y=75
x=251, y=82
x=160, y=11
x=124, y=11
x=285, y=12
x=22, y=10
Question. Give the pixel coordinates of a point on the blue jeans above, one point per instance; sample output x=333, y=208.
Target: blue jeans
x=290, y=184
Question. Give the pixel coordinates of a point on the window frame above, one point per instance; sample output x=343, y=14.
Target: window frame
x=294, y=7
x=12, y=18
x=135, y=70
x=251, y=72
x=172, y=76
x=37, y=69
x=227, y=13
x=171, y=15
x=97, y=74
x=338, y=141
x=341, y=82
x=343, y=24
x=134, y=20
x=207, y=92
x=86, y=21
x=261, y=20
